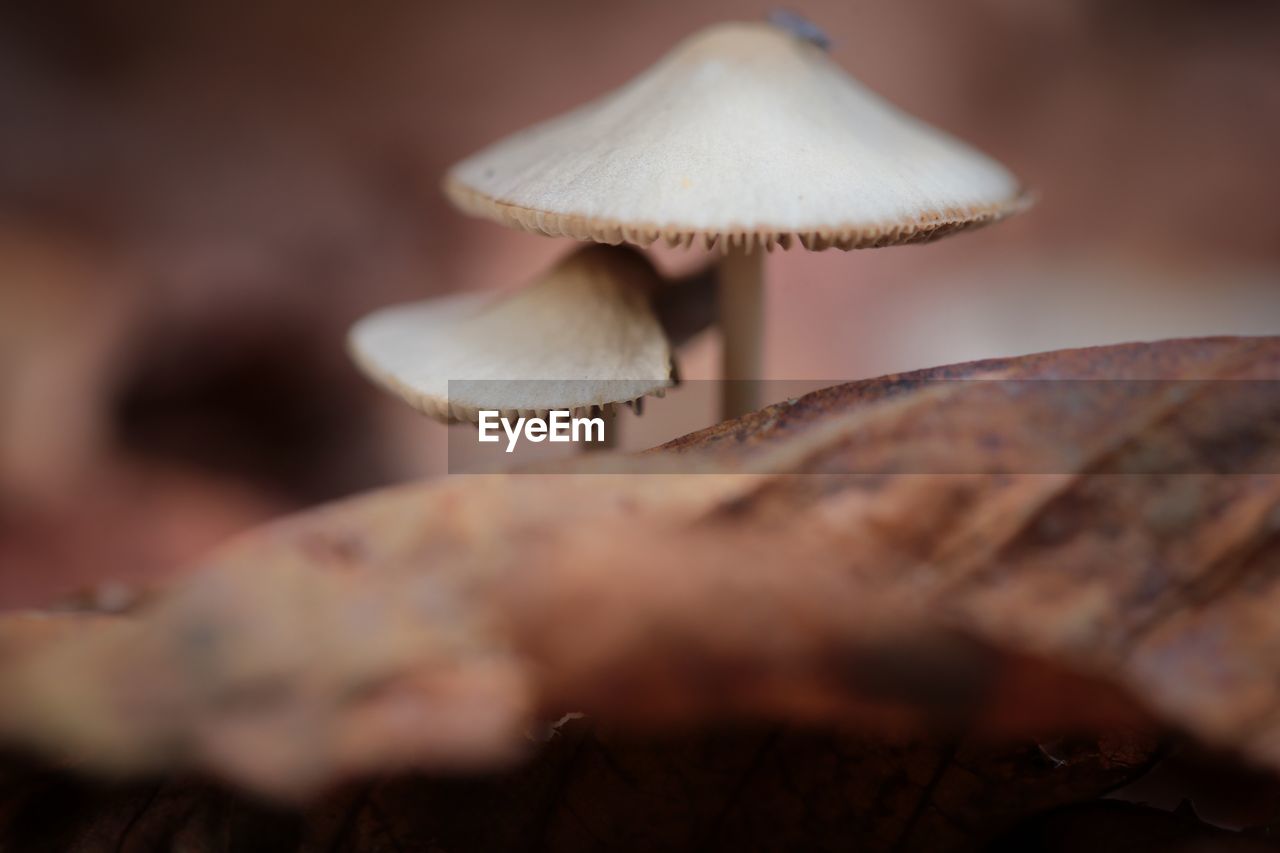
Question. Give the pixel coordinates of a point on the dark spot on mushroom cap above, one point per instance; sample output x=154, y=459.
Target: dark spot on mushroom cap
x=800, y=27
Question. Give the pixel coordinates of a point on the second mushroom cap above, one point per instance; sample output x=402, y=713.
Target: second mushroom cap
x=583, y=335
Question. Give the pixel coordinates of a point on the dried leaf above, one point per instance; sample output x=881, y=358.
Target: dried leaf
x=824, y=566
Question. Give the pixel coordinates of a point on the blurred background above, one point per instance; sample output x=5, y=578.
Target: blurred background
x=198, y=198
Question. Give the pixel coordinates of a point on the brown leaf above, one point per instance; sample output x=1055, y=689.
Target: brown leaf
x=898, y=555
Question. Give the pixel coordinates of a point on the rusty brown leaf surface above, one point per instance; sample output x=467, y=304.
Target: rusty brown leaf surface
x=815, y=563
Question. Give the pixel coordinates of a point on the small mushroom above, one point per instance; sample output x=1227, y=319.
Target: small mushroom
x=583, y=336
x=744, y=137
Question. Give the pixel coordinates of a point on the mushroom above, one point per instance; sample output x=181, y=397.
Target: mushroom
x=744, y=137
x=583, y=336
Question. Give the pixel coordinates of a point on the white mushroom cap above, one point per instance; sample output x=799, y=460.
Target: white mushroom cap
x=583, y=335
x=745, y=132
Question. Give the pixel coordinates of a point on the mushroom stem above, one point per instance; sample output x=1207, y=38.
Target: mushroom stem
x=741, y=297
x=687, y=306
